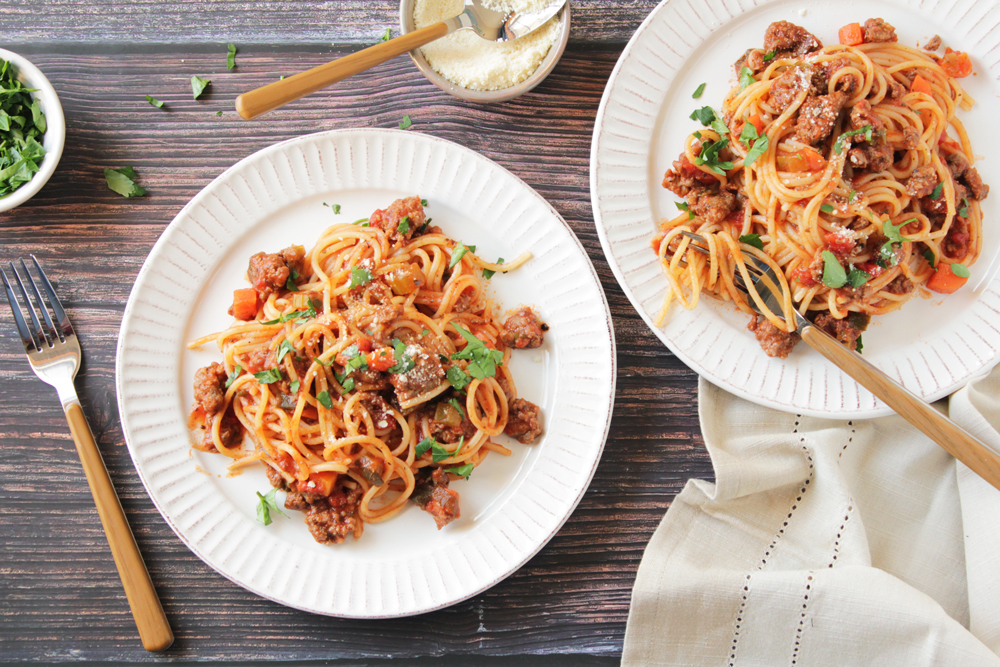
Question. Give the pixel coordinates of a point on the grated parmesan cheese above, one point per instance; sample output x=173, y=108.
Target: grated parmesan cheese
x=468, y=60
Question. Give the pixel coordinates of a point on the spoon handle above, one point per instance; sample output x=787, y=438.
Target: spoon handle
x=954, y=439
x=255, y=102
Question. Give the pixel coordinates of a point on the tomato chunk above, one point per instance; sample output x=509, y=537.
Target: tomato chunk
x=956, y=63
x=244, y=304
x=381, y=360
x=804, y=276
x=852, y=34
x=944, y=281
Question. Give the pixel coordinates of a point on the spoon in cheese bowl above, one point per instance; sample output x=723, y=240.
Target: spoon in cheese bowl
x=489, y=24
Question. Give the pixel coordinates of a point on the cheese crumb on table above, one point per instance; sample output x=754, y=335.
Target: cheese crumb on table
x=468, y=60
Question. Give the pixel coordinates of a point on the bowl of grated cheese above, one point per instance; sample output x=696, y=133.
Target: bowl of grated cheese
x=477, y=70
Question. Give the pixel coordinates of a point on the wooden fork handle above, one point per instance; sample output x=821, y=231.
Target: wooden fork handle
x=955, y=440
x=254, y=103
x=154, y=630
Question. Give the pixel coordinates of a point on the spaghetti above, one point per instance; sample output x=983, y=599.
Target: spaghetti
x=366, y=373
x=844, y=168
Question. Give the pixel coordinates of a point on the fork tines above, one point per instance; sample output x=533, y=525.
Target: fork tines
x=37, y=336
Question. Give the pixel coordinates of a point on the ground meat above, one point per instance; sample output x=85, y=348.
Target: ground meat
x=787, y=87
x=896, y=91
x=962, y=170
x=922, y=182
x=230, y=432
x=331, y=518
x=523, y=421
x=276, y=479
x=824, y=73
x=899, y=285
x=685, y=177
x=774, y=341
x=752, y=59
x=817, y=116
x=379, y=409
x=911, y=138
x=432, y=495
x=523, y=329
x=782, y=36
x=712, y=205
x=426, y=374
x=956, y=243
x=862, y=114
x=937, y=209
x=210, y=387
x=878, y=156
x=389, y=219
x=449, y=433
x=857, y=158
x=268, y=272
x=847, y=330
x=258, y=359
x=933, y=44
x=370, y=379
x=877, y=30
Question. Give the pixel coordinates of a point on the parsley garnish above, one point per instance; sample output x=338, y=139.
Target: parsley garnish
x=424, y=445
x=122, y=181
x=964, y=211
x=461, y=471
x=860, y=346
x=770, y=55
x=459, y=253
x=336, y=208
x=348, y=385
x=746, y=77
x=404, y=225
x=752, y=239
x=404, y=362
x=458, y=378
x=488, y=273
x=850, y=195
x=198, y=86
x=856, y=278
x=265, y=504
x=423, y=202
x=707, y=117
x=833, y=273
x=710, y=156
x=22, y=126
x=405, y=123
x=294, y=315
x=760, y=143
x=929, y=256
x=683, y=206
x=284, y=349
x=294, y=386
x=232, y=376
x=826, y=208
x=323, y=398
x=360, y=220
x=453, y=402
x=359, y=276
x=290, y=283
x=268, y=376
x=386, y=36
x=838, y=146
x=698, y=91
x=439, y=453
x=482, y=360
x=936, y=193
x=155, y=102
x=960, y=270
x=231, y=57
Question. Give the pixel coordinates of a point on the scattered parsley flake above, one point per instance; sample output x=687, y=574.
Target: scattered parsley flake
x=266, y=503
x=423, y=202
x=198, y=85
x=482, y=360
x=458, y=378
x=683, y=206
x=929, y=256
x=710, y=156
x=964, y=211
x=759, y=147
x=283, y=349
x=752, y=239
x=323, y=398
x=856, y=278
x=294, y=386
x=405, y=123
x=936, y=193
x=746, y=77
x=833, y=272
x=155, y=102
x=404, y=225
x=770, y=55
x=122, y=181
x=826, y=208
x=361, y=220
x=461, y=471
x=960, y=270
x=860, y=346
x=386, y=36
x=359, y=276
x=404, y=362
x=219, y=112
x=232, y=377
x=424, y=445
x=459, y=253
x=698, y=91
x=838, y=146
x=453, y=402
x=488, y=273
x=268, y=376
x=231, y=57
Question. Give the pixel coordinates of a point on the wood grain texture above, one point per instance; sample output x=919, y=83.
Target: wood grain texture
x=62, y=600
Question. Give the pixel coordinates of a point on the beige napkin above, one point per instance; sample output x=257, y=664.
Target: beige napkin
x=825, y=542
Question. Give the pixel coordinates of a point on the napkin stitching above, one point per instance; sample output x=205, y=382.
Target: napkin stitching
x=739, y=620
x=802, y=618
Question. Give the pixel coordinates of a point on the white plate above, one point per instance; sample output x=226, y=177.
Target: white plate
x=932, y=346
x=511, y=506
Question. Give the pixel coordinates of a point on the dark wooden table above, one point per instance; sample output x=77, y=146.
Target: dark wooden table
x=60, y=597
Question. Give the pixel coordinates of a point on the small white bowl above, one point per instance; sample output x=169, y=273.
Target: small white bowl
x=544, y=68
x=55, y=132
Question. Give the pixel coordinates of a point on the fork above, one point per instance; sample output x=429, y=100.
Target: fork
x=54, y=354
x=967, y=448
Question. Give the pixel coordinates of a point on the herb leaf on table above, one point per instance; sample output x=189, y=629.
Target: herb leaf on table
x=123, y=181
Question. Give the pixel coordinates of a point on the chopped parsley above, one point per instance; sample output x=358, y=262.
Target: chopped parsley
x=404, y=225
x=294, y=386
x=459, y=253
x=770, y=55
x=294, y=315
x=22, y=127
x=856, y=278
x=838, y=146
x=348, y=385
x=424, y=332
x=439, y=453
x=698, y=91
x=232, y=376
x=198, y=86
x=710, y=156
x=122, y=181
x=850, y=195
x=424, y=445
x=361, y=220
x=458, y=378
x=757, y=143
x=268, y=376
x=284, y=349
x=936, y=193
x=964, y=211
x=386, y=36
x=931, y=259
x=405, y=123
x=461, y=471
x=453, y=402
x=746, y=77
x=404, y=362
x=359, y=276
x=488, y=273
x=423, y=202
x=683, y=206
x=323, y=398
x=231, y=57
x=826, y=208
x=752, y=239
x=860, y=346
x=266, y=503
x=482, y=360
x=219, y=112
x=960, y=270
x=155, y=102
x=290, y=282
x=887, y=252
x=707, y=117
x=833, y=273
x=335, y=208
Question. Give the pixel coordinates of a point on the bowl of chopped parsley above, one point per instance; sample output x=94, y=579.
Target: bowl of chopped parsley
x=32, y=130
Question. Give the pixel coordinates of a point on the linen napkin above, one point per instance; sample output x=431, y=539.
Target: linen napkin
x=825, y=542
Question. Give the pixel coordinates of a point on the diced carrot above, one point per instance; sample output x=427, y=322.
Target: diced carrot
x=852, y=34
x=381, y=360
x=944, y=281
x=244, y=304
x=364, y=344
x=920, y=85
x=956, y=63
x=757, y=123
x=320, y=483
x=805, y=160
